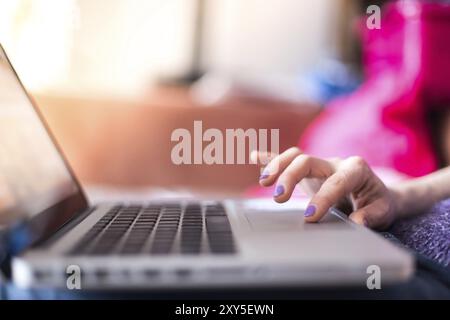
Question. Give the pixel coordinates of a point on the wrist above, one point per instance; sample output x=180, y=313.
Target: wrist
x=400, y=202
x=411, y=199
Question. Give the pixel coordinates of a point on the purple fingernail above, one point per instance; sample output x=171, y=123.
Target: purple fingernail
x=365, y=223
x=264, y=175
x=310, y=210
x=279, y=190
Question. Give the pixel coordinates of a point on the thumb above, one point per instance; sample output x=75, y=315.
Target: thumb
x=360, y=217
x=375, y=215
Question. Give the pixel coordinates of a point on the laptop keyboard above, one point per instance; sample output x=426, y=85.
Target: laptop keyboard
x=160, y=229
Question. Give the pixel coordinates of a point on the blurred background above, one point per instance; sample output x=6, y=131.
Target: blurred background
x=115, y=77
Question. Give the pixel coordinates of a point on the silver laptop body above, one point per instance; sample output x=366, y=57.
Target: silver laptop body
x=53, y=234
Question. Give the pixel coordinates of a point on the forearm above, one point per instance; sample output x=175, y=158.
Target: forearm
x=417, y=195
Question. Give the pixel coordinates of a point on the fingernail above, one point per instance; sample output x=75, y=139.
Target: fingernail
x=365, y=223
x=279, y=190
x=310, y=210
x=264, y=175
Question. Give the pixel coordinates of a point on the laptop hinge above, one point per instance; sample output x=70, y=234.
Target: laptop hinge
x=69, y=225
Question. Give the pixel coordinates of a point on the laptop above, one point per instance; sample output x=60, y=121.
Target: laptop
x=49, y=230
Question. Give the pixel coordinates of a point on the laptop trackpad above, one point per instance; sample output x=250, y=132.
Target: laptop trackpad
x=291, y=219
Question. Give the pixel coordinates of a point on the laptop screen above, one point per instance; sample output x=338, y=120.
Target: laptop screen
x=33, y=174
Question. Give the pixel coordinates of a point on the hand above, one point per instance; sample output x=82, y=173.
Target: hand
x=330, y=181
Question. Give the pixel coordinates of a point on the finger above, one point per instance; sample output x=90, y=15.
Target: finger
x=261, y=157
x=310, y=185
x=371, y=215
x=303, y=166
x=349, y=177
x=360, y=217
x=277, y=165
